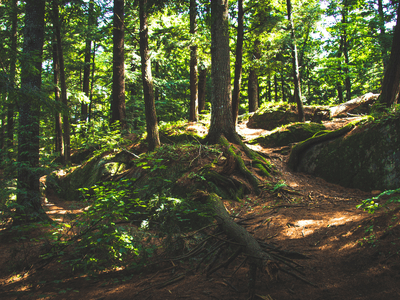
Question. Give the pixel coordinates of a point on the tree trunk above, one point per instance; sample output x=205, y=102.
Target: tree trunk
x=253, y=79
x=86, y=68
x=13, y=61
x=295, y=64
x=221, y=101
x=59, y=146
x=118, y=102
x=283, y=87
x=252, y=90
x=153, y=138
x=92, y=84
x=29, y=207
x=238, y=64
x=383, y=40
x=276, y=87
x=347, y=82
x=390, y=85
x=202, y=89
x=64, y=99
x=344, y=107
x=193, y=65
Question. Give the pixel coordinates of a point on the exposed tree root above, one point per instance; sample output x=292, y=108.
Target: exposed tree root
x=259, y=255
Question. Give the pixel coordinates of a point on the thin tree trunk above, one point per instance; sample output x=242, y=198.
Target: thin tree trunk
x=29, y=207
x=193, y=65
x=92, y=84
x=13, y=61
x=59, y=147
x=347, y=82
x=86, y=67
x=283, y=87
x=202, y=88
x=295, y=64
x=269, y=90
x=64, y=99
x=118, y=103
x=276, y=87
x=390, y=85
x=153, y=138
x=237, y=83
x=383, y=40
x=253, y=79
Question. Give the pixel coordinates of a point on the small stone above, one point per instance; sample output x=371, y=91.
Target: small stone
x=375, y=193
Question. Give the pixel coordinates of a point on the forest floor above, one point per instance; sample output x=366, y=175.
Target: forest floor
x=353, y=255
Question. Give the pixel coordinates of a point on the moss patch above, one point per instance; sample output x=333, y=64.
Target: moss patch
x=286, y=135
x=367, y=158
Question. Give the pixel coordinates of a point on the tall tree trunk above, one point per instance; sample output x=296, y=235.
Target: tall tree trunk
x=29, y=207
x=390, y=85
x=193, y=65
x=276, y=87
x=283, y=87
x=202, y=88
x=118, y=103
x=59, y=146
x=221, y=101
x=63, y=84
x=92, y=84
x=86, y=67
x=269, y=93
x=383, y=40
x=252, y=90
x=237, y=82
x=295, y=64
x=13, y=61
x=153, y=138
x=347, y=82
x=253, y=93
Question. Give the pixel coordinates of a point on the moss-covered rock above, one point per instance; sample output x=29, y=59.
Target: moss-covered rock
x=286, y=135
x=86, y=175
x=274, y=115
x=367, y=158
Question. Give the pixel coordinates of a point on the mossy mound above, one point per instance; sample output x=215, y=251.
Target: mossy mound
x=286, y=135
x=86, y=175
x=273, y=115
x=181, y=132
x=367, y=157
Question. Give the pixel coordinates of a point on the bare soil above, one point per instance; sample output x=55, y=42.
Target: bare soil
x=353, y=255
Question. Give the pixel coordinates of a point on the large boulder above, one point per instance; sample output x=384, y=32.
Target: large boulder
x=288, y=134
x=275, y=115
x=364, y=156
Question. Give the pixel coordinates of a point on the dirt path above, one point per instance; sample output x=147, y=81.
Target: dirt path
x=353, y=255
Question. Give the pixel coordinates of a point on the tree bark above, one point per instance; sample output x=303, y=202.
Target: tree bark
x=295, y=64
x=193, y=65
x=202, y=88
x=64, y=99
x=153, y=139
x=253, y=79
x=118, y=102
x=13, y=61
x=29, y=207
x=347, y=82
x=383, y=40
x=237, y=83
x=221, y=101
x=86, y=67
x=390, y=84
x=59, y=146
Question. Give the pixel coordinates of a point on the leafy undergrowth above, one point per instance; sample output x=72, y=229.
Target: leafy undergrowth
x=136, y=234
